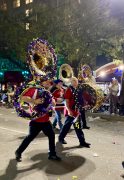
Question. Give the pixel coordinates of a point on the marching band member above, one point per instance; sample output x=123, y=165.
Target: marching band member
x=36, y=125
x=58, y=94
x=72, y=114
x=82, y=112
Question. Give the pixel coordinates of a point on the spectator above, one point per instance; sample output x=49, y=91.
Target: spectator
x=113, y=98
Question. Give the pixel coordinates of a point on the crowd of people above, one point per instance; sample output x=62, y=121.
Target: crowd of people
x=112, y=103
x=42, y=123
x=64, y=105
x=7, y=94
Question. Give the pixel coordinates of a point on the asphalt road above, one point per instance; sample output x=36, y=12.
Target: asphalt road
x=103, y=161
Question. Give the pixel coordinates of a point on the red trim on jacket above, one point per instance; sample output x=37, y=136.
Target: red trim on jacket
x=58, y=93
x=71, y=102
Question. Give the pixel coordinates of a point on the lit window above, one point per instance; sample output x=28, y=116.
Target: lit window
x=27, y=26
x=16, y=3
x=28, y=12
x=28, y=1
x=4, y=6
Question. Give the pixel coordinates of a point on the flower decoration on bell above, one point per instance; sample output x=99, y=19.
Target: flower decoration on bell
x=27, y=111
x=42, y=59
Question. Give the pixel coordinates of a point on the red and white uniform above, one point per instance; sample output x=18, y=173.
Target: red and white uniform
x=71, y=102
x=58, y=93
x=32, y=92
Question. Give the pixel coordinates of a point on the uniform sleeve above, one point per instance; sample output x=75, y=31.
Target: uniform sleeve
x=68, y=94
x=56, y=93
x=29, y=93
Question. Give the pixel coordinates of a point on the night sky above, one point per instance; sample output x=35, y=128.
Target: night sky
x=117, y=8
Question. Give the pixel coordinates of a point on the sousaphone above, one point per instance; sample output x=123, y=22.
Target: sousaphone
x=42, y=62
x=66, y=73
x=88, y=92
x=42, y=59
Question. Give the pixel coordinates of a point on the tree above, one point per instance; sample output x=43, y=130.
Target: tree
x=79, y=30
x=13, y=37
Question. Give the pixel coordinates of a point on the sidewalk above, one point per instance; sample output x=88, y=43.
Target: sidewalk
x=102, y=115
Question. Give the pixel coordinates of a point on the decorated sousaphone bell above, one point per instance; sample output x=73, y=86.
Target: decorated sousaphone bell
x=42, y=59
x=66, y=73
x=88, y=92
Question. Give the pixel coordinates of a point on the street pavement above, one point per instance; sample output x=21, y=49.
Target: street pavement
x=103, y=161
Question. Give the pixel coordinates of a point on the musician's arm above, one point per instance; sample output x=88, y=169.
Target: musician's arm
x=31, y=100
x=53, y=102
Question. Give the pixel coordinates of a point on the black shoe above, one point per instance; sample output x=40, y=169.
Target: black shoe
x=122, y=175
x=18, y=157
x=123, y=164
x=86, y=127
x=62, y=141
x=54, y=157
x=85, y=144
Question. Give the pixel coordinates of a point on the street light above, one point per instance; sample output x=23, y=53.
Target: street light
x=121, y=67
x=102, y=73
